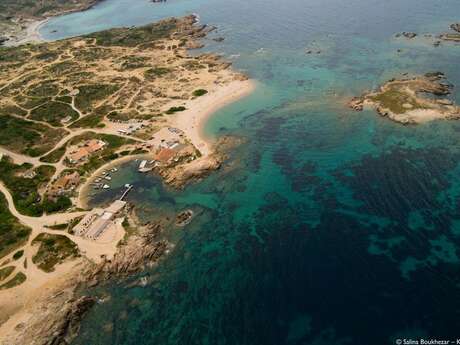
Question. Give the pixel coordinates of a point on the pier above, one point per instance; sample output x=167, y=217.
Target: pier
x=128, y=189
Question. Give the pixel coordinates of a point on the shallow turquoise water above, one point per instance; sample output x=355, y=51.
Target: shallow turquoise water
x=326, y=226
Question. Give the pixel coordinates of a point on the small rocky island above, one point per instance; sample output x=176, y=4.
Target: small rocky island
x=412, y=100
x=452, y=36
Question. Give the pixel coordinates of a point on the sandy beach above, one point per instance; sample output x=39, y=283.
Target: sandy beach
x=30, y=35
x=193, y=120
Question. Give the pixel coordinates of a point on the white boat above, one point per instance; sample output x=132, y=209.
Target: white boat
x=143, y=164
x=106, y=186
x=143, y=167
x=108, y=178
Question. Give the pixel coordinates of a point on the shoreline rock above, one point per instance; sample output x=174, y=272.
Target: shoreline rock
x=455, y=27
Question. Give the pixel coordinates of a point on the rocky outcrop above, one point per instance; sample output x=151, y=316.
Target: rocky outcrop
x=55, y=321
x=356, y=103
x=3, y=40
x=143, y=249
x=455, y=27
x=196, y=170
x=184, y=218
x=67, y=326
x=408, y=35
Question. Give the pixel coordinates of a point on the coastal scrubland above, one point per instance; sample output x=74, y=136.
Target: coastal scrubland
x=12, y=233
x=53, y=249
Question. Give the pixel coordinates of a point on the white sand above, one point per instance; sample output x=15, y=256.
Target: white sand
x=30, y=35
x=192, y=120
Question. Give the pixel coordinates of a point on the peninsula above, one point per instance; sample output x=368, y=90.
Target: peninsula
x=70, y=111
x=412, y=100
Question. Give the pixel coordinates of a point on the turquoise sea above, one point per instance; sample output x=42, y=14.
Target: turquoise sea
x=325, y=226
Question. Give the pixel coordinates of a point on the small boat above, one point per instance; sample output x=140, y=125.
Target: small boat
x=106, y=186
x=108, y=178
x=143, y=164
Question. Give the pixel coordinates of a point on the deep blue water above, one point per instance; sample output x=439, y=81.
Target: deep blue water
x=325, y=226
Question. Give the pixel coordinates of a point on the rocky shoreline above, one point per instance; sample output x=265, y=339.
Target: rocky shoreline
x=56, y=320
x=402, y=100
x=446, y=36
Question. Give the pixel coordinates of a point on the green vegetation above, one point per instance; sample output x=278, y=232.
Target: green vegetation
x=13, y=110
x=18, y=279
x=199, y=92
x=12, y=233
x=89, y=121
x=128, y=115
x=54, y=113
x=44, y=89
x=27, y=137
x=5, y=272
x=156, y=72
x=173, y=110
x=24, y=190
x=133, y=62
x=62, y=68
x=62, y=226
x=89, y=94
x=18, y=254
x=64, y=99
x=13, y=54
x=94, y=119
x=30, y=103
x=55, y=155
x=34, y=9
x=396, y=101
x=56, y=205
x=53, y=250
x=131, y=37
